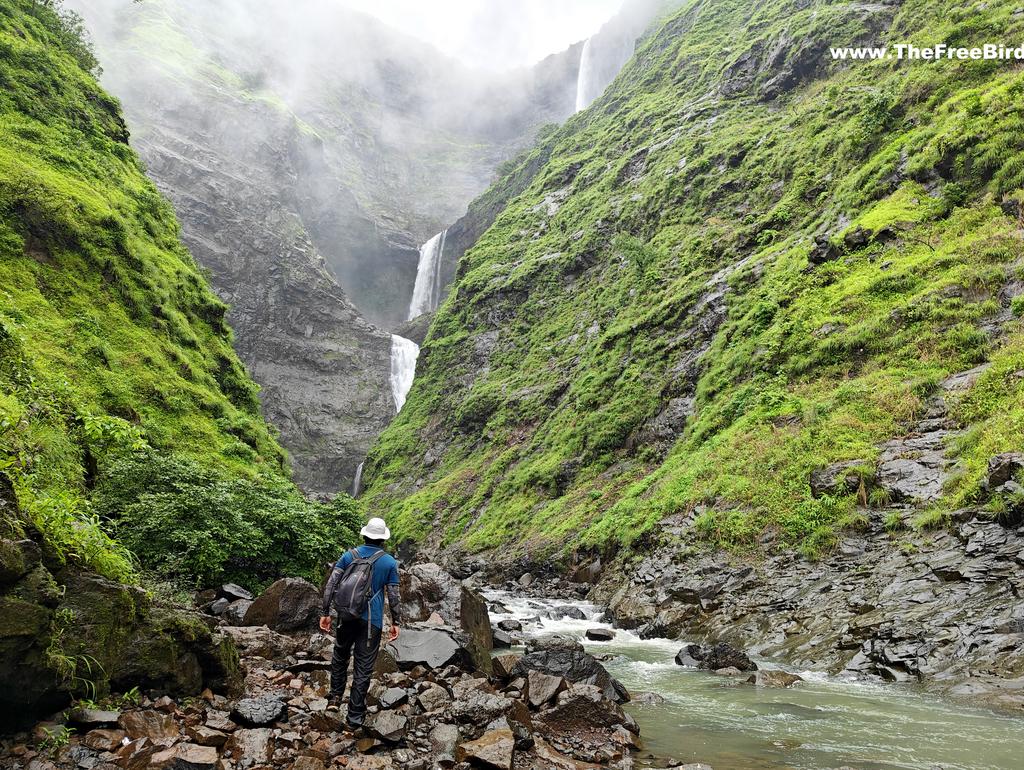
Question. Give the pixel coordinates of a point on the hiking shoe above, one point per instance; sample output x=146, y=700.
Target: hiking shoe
x=334, y=701
x=353, y=727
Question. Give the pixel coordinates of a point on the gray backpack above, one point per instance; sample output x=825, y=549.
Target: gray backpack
x=352, y=593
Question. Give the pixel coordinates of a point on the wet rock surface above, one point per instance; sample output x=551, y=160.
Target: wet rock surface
x=938, y=606
x=944, y=609
x=290, y=604
x=117, y=628
x=419, y=718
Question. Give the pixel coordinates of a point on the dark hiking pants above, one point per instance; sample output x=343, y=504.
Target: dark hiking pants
x=352, y=636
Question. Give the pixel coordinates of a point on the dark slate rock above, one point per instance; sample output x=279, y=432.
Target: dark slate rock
x=233, y=593
x=564, y=656
x=713, y=657
x=258, y=712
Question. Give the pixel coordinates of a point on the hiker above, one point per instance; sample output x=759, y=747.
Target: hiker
x=356, y=591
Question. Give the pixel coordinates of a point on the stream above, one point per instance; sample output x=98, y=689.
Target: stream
x=823, y=722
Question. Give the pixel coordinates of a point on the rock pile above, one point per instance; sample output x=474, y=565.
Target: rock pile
x=430, y=706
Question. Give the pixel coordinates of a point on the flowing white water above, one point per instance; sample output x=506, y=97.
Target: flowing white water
x=357, y=482
x=822, y=722
x=584, y=77
x=403, y=368
x=426, y=292
x=426, y=295
x=601, y=59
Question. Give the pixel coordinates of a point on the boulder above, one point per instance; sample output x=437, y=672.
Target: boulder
x=290, y=604
x=713, y=657
x=235, y=611
x=542, y=688
x=837, y=479
x=476, y=624
x=392, y=697
x=388, y=726
x=582, y=707
x=526, y=579
x=258, y=712
x=104, y=740
x=824, y=250
x=429, y=588
x=93, y=718
x=148, y=724
x=251, y=747
x=494, y=749
x=206, y=736
x=502, y=639
x=261, y=642
x=566, y=611
x=443, y=739
x=184, y=756
x=433, y=698
x=218, y=606
x=233, y=593
x=503, y=665
x=432, y=646
x=117, y=628
x=647, y=698
x=600, y=634
x=1003, y=467
x=432, y=595
x=510, y=624
x=475, y=702
x=774, y=678
x=564, y=656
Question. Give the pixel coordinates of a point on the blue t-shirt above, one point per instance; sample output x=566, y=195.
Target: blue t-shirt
x=385, y=572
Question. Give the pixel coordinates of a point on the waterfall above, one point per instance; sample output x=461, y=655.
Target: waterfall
x=426, y=293
x=403, y=368
x=426, y=296
x=584, y=77
x=601, y=59
x=357, y=482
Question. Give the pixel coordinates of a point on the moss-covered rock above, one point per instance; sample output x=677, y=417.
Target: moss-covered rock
x=66, y=631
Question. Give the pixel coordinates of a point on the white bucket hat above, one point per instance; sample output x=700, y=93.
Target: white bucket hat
x=376, y=529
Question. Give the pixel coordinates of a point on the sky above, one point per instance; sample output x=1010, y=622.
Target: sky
x=493, y=34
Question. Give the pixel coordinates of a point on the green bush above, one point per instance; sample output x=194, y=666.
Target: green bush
x=184, y=521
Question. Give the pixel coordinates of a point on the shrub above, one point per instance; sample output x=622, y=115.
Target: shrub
x=187, y=522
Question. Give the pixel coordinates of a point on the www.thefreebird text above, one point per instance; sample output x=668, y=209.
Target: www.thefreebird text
x=907, y=51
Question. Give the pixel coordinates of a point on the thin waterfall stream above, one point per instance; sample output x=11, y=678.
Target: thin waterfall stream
x=426, y=296
x=821, y=722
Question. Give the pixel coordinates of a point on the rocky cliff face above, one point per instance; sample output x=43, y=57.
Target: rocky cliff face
x=308, y=155
x=323, y=368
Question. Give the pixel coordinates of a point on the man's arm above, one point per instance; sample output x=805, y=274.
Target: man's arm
x=325, y=605
x=325, y=602
x=394, y=602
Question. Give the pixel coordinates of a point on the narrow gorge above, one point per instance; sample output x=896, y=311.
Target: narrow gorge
x=681, y=349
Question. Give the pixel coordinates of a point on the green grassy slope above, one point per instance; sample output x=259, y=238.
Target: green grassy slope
x=662, y=255
x=120, y=393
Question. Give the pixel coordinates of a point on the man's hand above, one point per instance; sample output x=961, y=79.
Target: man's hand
x=325, y=623
x=392, y=633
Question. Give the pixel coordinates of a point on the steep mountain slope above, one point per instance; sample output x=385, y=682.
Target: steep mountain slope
x=744, y=263
x=121, y=393
x=308, y=151
x=131, y=437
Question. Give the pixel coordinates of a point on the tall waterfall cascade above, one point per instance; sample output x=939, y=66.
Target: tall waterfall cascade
x=357, y=482
x=403, y=368
x=584, y=77
x=601, y=59
x=426, y=296
x=426, y=293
